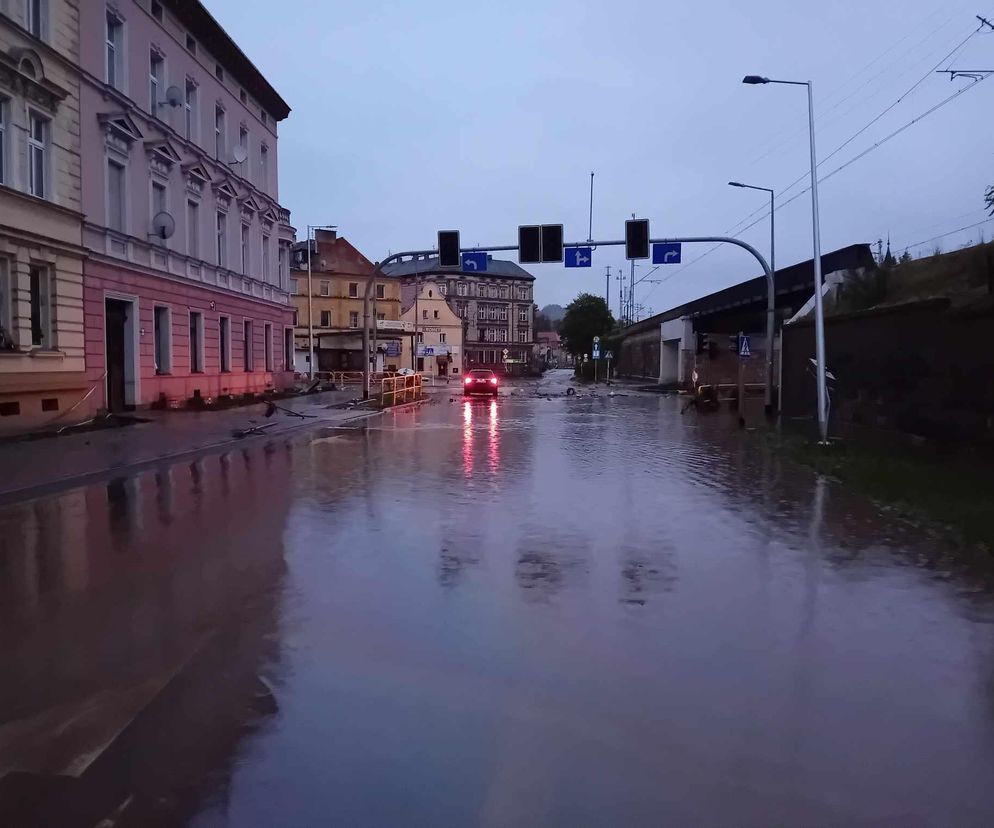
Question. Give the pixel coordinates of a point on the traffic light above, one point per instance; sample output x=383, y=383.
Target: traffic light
x=530, y=244
x=637, y=239
x=552, y=242
x=448, y=248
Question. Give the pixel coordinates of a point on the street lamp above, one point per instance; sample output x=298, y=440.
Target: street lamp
x=770, y=301
x=816, y=238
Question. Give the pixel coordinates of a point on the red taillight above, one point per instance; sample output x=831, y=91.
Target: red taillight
x=493, y=380
x=468, y=380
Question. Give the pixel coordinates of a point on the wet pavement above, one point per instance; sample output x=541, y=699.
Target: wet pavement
x=565, y=611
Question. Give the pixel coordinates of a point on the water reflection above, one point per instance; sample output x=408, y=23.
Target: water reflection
x=137, y=676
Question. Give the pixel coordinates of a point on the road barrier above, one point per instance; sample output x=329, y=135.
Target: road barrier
x=400, y=389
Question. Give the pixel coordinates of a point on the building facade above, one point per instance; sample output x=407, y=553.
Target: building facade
x=435, y=344
x=338, y=277
x=186, y=283
x=42, y=369
x=496, y=307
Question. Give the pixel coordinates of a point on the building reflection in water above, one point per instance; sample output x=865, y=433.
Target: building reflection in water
x=141, y=625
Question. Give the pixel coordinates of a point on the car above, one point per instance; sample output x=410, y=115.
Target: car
x=480, y=381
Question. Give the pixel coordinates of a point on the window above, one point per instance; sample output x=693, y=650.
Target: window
x=502, y=335
x=246, y=253
x=156, y=79
x=522, y=314
x=441, y=338
x=243, y=139
x=196, y=342
x=380, y=317
x=421, y=338
x=115, y=196
x=221, y=237
x=219, y=72
x=248, y=357
x=157, y=11
x=522, y=336
x=264, y=166
x=162, y=336
x=424, y=314
x=219, y=129
x=296, y=319
x=37, y=152
x=193, y=228
x=268, y=347
x=294, y=287
x=159, y=203
x=353, y=290
x=191, y=45
x=460, y=288
x=325, y=319
x=35, y=17
x=115, y=51
x=288, y=348
x=436, y=314
x=381, y=291
x=265, y=256
x=41, y=307
x=281, y=263
x=3, y=141
x=6, y=334
x=325, y=289
x=492, y=291
x=442, y=289
x=190, y=108
x=353, y=319
x=224, y=340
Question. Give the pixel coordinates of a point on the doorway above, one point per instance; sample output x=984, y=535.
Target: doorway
x=119, y=351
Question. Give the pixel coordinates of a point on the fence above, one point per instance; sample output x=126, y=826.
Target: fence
x=400, y=389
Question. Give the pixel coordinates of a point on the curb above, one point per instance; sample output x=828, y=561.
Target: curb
x=36, y=490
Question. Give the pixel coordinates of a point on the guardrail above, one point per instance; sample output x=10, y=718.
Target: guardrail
x=400, y=389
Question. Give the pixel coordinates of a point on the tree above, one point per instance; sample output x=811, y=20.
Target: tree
x=905, y=257
x=542, y=322
x=586, y=316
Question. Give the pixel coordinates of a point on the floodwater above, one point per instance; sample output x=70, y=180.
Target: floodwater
x=577, y=611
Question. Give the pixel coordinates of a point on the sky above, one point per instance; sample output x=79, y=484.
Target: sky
x=408, y=118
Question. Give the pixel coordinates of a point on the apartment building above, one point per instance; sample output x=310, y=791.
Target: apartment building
x=187, y=278
x=42, y=369
x=339, y=274
x=495, y=305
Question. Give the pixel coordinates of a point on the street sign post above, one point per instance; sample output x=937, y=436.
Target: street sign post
x=506, y=354
x=579, y=256
x=475, y=262
x=667, y=253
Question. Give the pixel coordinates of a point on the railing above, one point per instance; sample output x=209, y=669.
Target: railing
x=400, y=389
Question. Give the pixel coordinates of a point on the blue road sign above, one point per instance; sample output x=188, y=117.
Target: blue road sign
x=474, y=262
x=666, y=253
x=597, y=352
x=744, y=349
x=578, y=256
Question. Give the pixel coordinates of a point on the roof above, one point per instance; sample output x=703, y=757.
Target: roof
x=218, y=42
x=428, y=266
x=791, y=282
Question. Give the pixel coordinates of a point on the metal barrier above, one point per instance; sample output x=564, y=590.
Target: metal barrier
x=400, y=389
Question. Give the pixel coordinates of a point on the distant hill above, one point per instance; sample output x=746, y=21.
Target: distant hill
x=554, y=312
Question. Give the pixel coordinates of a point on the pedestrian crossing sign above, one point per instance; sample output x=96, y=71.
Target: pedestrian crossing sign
x=744, y=349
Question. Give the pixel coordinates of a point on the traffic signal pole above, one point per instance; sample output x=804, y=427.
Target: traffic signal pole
x=396, y=257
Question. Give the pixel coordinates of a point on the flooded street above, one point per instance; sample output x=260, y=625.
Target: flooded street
x=531, y=611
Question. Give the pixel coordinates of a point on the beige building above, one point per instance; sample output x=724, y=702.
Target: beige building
x=438, y=350
x=42, y=368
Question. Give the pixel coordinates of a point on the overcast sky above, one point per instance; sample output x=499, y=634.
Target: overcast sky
x=413, y=117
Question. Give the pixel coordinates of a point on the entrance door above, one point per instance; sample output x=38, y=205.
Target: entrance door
x=116, y=314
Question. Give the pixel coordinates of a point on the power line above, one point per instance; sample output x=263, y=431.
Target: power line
x=943, y=235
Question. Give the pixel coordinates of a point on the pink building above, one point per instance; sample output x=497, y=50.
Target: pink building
x=186, y=284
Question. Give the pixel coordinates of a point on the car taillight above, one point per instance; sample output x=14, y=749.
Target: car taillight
x=493, y=380
x=468, y=380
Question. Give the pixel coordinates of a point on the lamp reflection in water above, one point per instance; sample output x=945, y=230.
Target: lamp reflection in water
x=467, y=438
x=493, y=444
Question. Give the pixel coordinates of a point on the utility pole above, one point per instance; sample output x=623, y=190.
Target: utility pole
x=607, y=288
x=590, y=226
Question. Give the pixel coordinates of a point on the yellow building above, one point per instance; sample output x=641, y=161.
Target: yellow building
x=438, y=351
x=338, y=278
x=42, y=368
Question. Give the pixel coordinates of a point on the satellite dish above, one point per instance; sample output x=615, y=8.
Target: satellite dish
x=163, y=225
x=174, y=96
x=239, y=153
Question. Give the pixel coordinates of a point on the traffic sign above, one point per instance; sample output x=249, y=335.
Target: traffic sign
x=597, y=351
x=506, y=352
x=666, y=253
x=609, y=355
x=474, y=262
x=596, y=339
x=744, y=349
x=578, y=256
x=448, y=248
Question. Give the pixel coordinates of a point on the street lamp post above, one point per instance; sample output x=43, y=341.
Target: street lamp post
x=816, y=240
x=310, y=297
x=771, y=298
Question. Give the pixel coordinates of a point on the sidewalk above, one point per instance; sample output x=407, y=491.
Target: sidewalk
x=32, y=468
